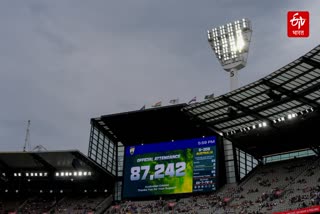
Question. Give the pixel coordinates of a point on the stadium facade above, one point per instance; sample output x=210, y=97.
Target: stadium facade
x=272, y=119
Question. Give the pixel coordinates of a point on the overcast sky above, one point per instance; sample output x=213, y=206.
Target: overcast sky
x=66, y=61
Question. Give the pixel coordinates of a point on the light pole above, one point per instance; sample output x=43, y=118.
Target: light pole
x=230, y=43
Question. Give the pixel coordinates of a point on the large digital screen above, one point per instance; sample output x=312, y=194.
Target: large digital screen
x=182, y=166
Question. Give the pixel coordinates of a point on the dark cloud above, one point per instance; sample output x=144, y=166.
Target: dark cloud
x=65, y=62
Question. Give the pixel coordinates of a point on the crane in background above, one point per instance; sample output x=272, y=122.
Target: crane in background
x=27, y=145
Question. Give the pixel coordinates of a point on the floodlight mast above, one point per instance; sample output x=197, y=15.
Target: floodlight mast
x=230, y=43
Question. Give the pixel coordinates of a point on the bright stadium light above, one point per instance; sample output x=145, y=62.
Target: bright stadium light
x=230, y=43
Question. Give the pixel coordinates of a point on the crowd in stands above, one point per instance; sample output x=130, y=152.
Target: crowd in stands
x=37, y=205
x=77, y=205
x=138, y=207
x=41, y=204
x=273, y=187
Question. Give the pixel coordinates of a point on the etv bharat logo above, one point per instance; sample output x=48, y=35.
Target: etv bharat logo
x=298, y=24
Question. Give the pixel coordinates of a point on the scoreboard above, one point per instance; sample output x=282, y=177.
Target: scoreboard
x=182, y=166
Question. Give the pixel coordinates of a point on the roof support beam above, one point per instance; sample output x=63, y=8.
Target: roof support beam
x=5, y=168
x=291, y=94
x=263, y=92
x=43, y=162
x=301, y=95
x=316, y=150
x=310, y=62
x=3, y=165
x=247, y=111
x=91, y=164
x=197, y=105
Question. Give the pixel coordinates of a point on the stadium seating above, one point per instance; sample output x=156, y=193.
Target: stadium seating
x=10, y=204
x=277, y=186
x=273, y=187
x=37, y=205
x=77, y=205
x=60, y=204
x=138, y=207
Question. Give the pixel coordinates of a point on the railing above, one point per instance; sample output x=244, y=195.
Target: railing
x=104, y=205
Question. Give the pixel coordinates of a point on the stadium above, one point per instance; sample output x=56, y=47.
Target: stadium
x=205, y=159
x=252, y=150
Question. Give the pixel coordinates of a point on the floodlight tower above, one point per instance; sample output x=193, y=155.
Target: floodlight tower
x=230, y=44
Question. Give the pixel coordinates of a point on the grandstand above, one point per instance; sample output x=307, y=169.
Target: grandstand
x=253, y=150
x=266, y=152
x=53, y=182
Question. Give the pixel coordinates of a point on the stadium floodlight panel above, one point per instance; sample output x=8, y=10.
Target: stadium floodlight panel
x=230, y=43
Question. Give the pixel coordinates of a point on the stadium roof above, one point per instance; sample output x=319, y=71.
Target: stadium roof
x=150, y=125
x=296, y=134
x=291, y=89
x=241, y=116
x=48, y=161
